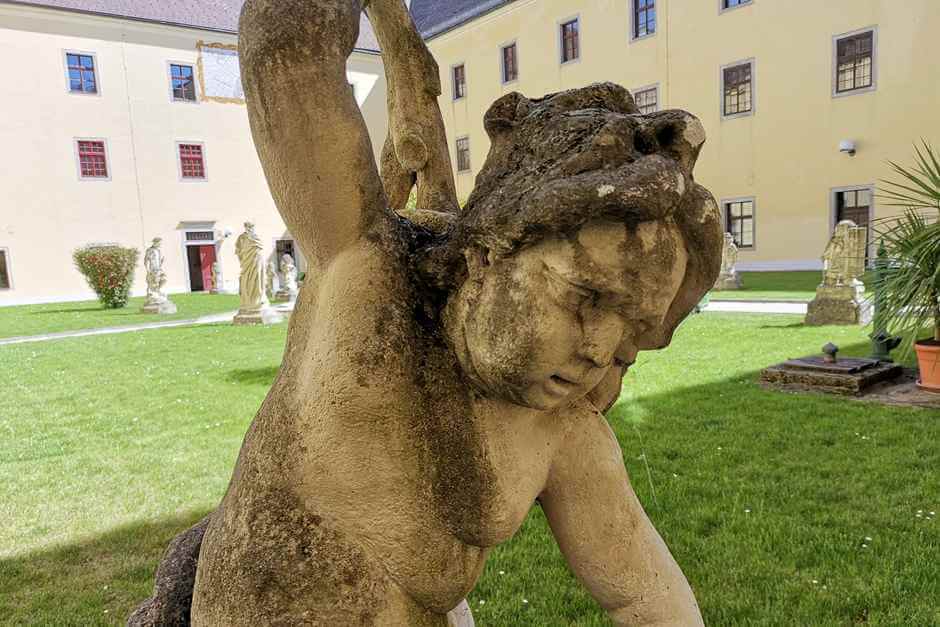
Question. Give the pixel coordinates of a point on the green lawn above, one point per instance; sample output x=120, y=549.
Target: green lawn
x=54, y=317
x=785, y=286
x=116, y=443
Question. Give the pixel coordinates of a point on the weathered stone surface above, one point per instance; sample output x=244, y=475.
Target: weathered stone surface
x=445, y=370
x=728, y=278
x=791, y=376
x=159, y=307
x=843, y=305
x=173, y=592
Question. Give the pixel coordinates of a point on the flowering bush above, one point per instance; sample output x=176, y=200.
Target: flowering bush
x=109, y=270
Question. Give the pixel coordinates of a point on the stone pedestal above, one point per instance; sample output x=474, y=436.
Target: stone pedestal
x=727, y=282
x=285, y=296
x=842, y=305
x=155, y=306
x=265, y=315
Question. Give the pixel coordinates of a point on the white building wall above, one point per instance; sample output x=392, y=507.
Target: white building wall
x=46, y=210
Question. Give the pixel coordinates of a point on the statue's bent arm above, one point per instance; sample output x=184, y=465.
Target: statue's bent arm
x=605, y=535
x=307, y=128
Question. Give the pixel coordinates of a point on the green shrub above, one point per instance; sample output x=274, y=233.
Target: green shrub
x=109, y=270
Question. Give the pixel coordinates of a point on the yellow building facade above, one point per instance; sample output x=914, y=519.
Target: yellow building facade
x=94, y=94
x=762, y=75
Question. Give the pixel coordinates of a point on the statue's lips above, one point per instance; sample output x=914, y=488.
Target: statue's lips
x=560, y=386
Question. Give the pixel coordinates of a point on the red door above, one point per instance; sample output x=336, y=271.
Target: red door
x=206, y=259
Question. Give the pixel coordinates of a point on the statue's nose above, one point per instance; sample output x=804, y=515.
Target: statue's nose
x=676, y=134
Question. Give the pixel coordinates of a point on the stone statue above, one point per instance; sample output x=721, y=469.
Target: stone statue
x=254, y=307
x=288, y=276
x=447, y=369
x=157, y=301
x=270, y=278
x=840, y=298
x=217, y=287
x=728, y=278
x=844, y=257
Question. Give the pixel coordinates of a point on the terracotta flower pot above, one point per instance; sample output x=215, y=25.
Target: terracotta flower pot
x=928, y=359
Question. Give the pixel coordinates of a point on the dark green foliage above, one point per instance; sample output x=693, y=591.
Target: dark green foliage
x=109, y=270
x=909, y=284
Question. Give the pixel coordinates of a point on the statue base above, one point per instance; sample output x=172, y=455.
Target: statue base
x=164, y=307
x=285, y=296
x=839, y=305
x=727, y=283
x=265, y=315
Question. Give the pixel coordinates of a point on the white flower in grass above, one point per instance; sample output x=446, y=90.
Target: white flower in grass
x=525, y=600
x=867, y=539
x=747, y=511
x=864, y=546
x=815, y=581
x=502, y=572
x=482, y=602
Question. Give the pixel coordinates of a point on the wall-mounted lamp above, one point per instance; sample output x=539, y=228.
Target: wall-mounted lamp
x=847, y=146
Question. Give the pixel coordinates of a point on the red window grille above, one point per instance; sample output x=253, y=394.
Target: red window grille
x=92, y=159
x=192, y=164
x=569, y=41
x=510, y=66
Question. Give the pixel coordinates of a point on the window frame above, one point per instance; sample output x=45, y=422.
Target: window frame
x=5, y=251
x=97, y=69
x=453, y=81
x=457, y=141
x=633, y=22
x=726, y=222
x=724, y=9
x=834, y=70
x=502, y=62
x=169, y=73
x=78, y=159
x=179, y=162
x=721, y=94
x=560, y=39
x=645, y=88
x=834, y=204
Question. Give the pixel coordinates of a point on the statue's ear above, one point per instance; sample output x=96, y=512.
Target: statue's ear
x=502, y=116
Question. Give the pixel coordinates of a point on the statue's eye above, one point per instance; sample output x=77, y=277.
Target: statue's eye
x=568, y=294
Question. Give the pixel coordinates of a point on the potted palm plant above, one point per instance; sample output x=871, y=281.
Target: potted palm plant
x=908, y=286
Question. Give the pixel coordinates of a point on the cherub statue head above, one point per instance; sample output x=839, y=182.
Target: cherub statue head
x=584, y=241
x=156, y=242
x=250, y=226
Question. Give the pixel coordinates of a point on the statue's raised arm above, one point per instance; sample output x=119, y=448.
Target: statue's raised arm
x=308, y=131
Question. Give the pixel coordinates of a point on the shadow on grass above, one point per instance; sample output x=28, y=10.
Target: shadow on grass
x=253, y=376
x=46, y=312
x=95, y=581
x=791, y=325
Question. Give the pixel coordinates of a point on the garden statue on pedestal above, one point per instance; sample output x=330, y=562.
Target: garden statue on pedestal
x=217, y=282
x=840, y=298
x=446, y=369
x=254, y=308
x=288, y=276
x=271, y=280
x=728, y=278
x=157, y=301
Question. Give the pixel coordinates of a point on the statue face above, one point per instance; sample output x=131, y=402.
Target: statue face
x=544, y=326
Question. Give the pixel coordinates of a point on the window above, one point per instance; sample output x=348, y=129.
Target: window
x=737, y=89
x=647, y=99
x=182, y=82
x=739, y=221
x=463, y=154
x=81, y=69
x=5, y=282
x=855, y=62
x=644, y=18
x=510, y=63
x=92, y=159
x=854, y=205
x=460, y=82
x=730, y=4
x=570, y=41
x=192, y=162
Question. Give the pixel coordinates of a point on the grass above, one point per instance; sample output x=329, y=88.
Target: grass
x=784, y=286
x=119, y=442
x=75, y=316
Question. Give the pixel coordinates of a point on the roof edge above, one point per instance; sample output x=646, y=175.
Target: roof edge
x=142, y=20
x=464, y=18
